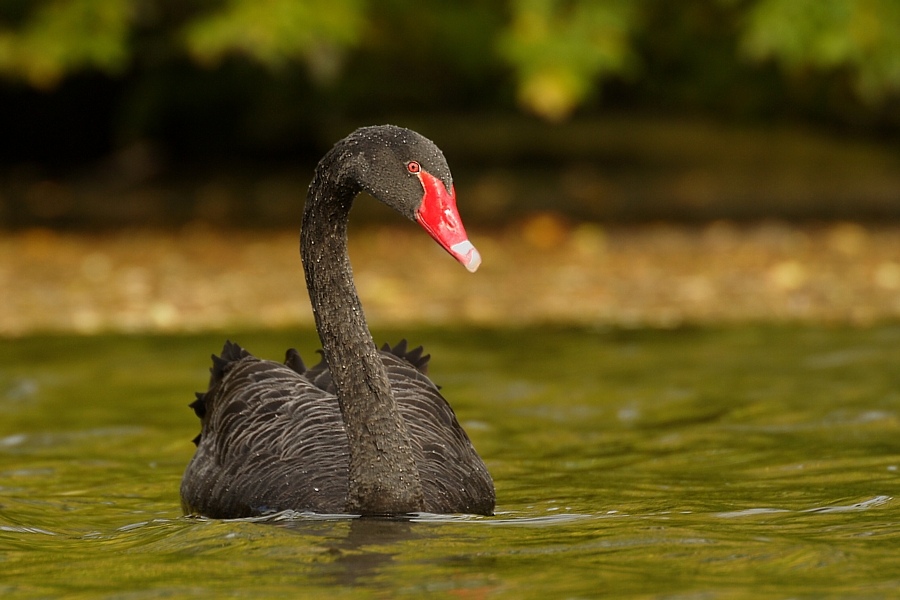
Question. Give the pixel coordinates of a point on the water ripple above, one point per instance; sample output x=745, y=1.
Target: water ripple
x=855, y=507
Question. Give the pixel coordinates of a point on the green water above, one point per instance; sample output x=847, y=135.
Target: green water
x=690, y=463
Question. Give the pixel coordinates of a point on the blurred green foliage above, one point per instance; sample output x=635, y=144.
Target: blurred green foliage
x=275, y=32
x=557, y=52
x=559, y=49
x=51, y=39
x=859, y=36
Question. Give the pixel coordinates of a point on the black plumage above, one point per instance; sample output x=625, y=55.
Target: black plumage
x=364, y=431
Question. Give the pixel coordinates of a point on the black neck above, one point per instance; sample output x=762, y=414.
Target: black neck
x=383, y=474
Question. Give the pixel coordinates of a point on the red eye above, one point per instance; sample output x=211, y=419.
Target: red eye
x=413, y=167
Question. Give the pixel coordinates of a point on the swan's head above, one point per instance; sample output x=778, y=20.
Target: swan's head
x=409, y=173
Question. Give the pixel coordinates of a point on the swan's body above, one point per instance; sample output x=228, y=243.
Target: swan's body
x=365, y=431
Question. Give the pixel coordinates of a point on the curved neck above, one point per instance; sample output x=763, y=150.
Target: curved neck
x=384, y=478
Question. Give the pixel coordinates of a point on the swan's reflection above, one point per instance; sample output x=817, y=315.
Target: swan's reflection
x=357, y=549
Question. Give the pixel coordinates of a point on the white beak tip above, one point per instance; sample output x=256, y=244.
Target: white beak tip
x=466, y=253
x=474, y=261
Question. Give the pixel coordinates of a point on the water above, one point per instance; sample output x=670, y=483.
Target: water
x=693, y=463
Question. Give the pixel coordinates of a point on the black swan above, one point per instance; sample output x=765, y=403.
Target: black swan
x=365, y=431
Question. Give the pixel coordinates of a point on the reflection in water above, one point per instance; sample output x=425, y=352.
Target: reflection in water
x=366, y=549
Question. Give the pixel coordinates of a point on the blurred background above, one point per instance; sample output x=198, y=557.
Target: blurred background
x=618, y=162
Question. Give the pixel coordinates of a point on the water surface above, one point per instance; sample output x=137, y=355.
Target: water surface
x=690, y=463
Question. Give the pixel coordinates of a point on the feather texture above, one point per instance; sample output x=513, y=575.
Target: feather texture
x=273, y=439
x=365, y=430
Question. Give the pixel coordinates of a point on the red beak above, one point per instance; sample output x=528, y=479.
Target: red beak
x=439, y=217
